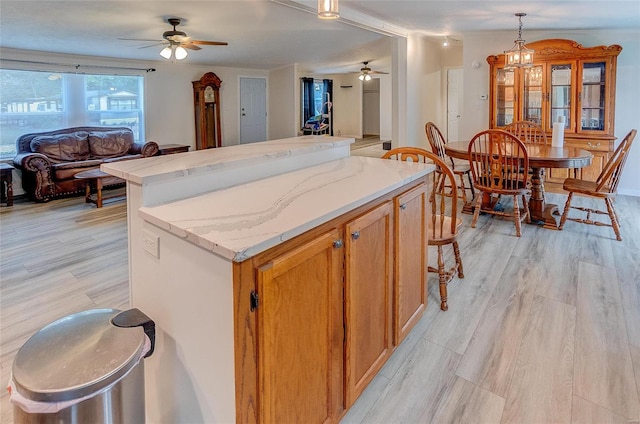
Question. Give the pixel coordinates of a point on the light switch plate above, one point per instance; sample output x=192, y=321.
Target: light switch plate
x=151, y=243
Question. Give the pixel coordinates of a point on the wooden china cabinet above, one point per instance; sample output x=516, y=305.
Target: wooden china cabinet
x=566, y=80
x=206, y=102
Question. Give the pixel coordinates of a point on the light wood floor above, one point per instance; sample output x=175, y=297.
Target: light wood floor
x=543, y=329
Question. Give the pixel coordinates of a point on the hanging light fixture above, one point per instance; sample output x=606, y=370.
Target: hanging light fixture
x=445, y=43
x=519, y=56
x=174, y=52
x=328, y=9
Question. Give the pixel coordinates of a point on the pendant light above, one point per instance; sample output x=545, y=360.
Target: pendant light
x=328, y=9
x=519, y=56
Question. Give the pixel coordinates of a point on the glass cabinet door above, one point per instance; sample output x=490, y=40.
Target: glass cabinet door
x=505, y=97
x=561, y=94
x=593, y=96
x=532, y=95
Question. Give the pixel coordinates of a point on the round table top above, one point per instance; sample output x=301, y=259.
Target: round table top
x=540, y=155
x=92, y=173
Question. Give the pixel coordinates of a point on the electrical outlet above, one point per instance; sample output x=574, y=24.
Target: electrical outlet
x=151, y=243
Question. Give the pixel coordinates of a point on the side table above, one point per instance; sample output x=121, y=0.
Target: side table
x=95, y=177
x=169, y=149
x=6, y=177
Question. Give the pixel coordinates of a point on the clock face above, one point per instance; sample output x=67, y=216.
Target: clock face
x=209, y=96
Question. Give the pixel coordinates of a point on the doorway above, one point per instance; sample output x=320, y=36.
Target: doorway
x=454, y=103
x=253, y=109
x=371, y=108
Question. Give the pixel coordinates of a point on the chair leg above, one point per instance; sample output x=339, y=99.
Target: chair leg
x=473, y=191
x=613, y=217
x=526, y=209
x=476, y=210
x=443, y=280
x=516, y=215
x=567, y=206
x=463, y=189
x=456, y=252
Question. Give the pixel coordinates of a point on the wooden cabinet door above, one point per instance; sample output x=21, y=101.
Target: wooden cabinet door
x=410, y=283
x=300, y=334
x=368, y=301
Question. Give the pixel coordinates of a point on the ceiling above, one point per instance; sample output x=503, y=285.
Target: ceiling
x=264, y=34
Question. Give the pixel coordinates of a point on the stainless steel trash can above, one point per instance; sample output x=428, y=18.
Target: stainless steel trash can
x=84, y=368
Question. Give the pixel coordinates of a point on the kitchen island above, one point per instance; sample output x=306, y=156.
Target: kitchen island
x=263, y=267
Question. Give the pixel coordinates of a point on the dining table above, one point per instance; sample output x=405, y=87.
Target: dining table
x=541, y=156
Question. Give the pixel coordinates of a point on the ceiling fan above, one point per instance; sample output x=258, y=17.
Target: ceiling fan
x=366, y=72
x=176, y=42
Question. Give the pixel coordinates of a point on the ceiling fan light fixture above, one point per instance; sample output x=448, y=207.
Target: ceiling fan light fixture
x=166, y=52
x=328, y=9
x=180, y=53
x=445, y=43
x=519, y=56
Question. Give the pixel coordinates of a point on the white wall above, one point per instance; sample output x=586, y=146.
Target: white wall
x=281, y=116
x=347, y=105
x=477, y=46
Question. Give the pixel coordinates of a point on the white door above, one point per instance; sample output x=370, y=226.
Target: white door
x=253, y=109
x=454, y=103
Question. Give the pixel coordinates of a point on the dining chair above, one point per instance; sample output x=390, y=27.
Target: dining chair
x=444, y=225
x=437, y=142
x=496, y=158
x=528, y=132
x=605, y=187
x=531, y=133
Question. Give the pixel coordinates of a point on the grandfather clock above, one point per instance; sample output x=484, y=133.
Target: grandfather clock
x=206, y=97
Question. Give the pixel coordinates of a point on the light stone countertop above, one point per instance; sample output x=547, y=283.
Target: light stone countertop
x=242, y=221
x=200, y=162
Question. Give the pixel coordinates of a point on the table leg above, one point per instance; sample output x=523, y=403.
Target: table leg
x=99, y=192
x=9, y=192
x=539, y=211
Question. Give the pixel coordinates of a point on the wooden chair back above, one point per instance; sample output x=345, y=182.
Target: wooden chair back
x=528, y=132
x=610, y=176
x=436, y=140
x=496, y=158
x=443, y=214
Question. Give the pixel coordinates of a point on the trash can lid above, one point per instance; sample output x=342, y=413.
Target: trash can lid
x=75, y=356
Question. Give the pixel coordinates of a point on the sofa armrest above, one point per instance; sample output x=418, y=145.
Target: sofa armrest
x=148, y=149
x=37, y=179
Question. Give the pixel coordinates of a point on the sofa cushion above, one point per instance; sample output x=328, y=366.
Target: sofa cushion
x=109, y=144
x=62, y=147
x=65, y=171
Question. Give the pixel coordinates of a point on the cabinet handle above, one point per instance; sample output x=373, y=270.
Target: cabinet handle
x=591, y=145
x=337, y=244
x=253, y=300
x=355, y=235
x=403, y=206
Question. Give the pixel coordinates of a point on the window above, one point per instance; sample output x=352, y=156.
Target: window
x=33, y=101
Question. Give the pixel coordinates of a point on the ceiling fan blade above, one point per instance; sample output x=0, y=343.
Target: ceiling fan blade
x=210, y=43
x=141, y=39
x=379, y=72
x=190, y=46
x=152, y=45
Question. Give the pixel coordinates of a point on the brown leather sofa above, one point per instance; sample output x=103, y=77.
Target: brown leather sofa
x=50, y=160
